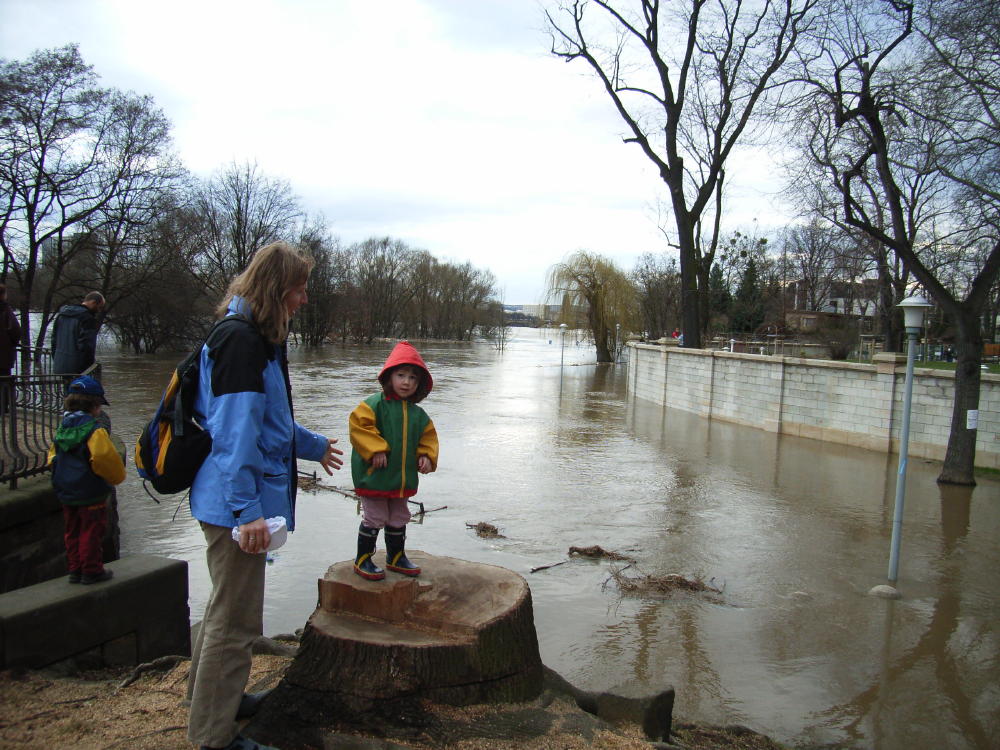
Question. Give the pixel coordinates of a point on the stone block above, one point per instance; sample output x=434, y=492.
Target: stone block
x=140, y=614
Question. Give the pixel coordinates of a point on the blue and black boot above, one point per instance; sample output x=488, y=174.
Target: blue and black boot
x=364, y=566
x=395, y=557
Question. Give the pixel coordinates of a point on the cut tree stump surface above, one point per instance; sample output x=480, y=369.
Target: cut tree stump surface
x=451, y=599
x=461, y=633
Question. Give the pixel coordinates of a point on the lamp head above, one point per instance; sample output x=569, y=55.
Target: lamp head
x=913, y=312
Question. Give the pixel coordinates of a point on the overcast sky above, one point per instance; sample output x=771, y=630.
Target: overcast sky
x=444, y=123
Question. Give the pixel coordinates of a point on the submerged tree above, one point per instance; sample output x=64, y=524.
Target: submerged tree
x=243, y=209
x=594, y=286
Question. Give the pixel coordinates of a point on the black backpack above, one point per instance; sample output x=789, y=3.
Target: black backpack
x=173, y=446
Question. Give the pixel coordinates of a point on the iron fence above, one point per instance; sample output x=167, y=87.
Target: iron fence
x=31, y=402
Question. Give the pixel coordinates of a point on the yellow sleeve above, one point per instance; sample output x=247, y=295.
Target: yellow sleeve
x=365, y=437
x=52, y=454
x=428, y=445
x=104, y=459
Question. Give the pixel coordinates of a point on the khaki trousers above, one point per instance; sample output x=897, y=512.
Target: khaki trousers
x=220, y=659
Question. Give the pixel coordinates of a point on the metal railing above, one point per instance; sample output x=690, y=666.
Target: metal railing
x=29, y=360
x=31, y=401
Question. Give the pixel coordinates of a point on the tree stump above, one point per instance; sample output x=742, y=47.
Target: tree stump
x=461, y=633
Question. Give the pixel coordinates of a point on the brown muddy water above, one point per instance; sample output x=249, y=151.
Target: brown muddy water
x=795, y=532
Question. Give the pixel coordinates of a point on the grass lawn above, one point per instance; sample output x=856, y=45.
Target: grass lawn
x=993, y=367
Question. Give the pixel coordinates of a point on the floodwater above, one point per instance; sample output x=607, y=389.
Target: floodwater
x=794, y=532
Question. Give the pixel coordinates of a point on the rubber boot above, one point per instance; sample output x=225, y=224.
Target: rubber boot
x=395, y=557
x=364, y=566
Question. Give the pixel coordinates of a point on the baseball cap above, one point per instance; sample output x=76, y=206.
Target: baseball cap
x=88, y=386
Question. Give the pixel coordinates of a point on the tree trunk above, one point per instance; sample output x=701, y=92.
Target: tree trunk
x=690, y=300
x=888, y=313
x=704, y=297
x=960, y=456
x=461, y=634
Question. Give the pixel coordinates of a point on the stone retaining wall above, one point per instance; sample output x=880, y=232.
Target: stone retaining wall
x=31, y=533
x=853, y=404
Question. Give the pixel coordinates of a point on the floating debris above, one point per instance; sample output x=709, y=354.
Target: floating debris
x=485, y=530
x=546, y=567
x=644, y=584
x=310, y=483
x=597, y=551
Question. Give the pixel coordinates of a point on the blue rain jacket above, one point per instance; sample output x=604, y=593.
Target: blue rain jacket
x=244, y=401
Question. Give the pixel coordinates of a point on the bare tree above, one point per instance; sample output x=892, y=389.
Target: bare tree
x=892, y=136
x=160, y=302
x=326, y=291
x=380, y=275
x=68, y=151
x=688, y=85
x=812, y=251
x=243, y=210
x=657, y=281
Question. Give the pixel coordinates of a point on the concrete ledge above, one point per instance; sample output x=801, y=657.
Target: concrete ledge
x=140, y=614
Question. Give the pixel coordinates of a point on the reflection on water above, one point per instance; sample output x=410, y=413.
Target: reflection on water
x=796, y=531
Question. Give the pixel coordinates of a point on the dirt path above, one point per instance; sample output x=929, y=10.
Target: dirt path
x=90, y=711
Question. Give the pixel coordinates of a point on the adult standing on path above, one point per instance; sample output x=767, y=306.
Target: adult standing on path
x=74, y=335
x=244, y=401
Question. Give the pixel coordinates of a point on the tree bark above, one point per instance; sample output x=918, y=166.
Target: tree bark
x=959, y=460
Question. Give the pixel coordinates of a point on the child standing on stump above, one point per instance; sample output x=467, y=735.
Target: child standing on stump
x=394, y=440
x=84, y=466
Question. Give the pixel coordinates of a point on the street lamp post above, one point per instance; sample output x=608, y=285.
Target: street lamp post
x=913, y=313
x=562, y=352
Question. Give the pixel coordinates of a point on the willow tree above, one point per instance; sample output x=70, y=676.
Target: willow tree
x=590, y=285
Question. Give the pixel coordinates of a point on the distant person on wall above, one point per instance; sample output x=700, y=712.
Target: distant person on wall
x=676, y=334
x=74, y=335
x=394, y=440
x=85, y=465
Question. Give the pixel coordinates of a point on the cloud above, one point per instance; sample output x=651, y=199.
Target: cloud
x=443, y=123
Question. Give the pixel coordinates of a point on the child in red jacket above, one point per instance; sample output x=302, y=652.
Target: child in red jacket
x=394, y=441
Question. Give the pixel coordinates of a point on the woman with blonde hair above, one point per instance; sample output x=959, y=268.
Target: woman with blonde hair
x=244, y=401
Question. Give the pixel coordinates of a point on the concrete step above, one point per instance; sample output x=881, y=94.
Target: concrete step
x=140, y=614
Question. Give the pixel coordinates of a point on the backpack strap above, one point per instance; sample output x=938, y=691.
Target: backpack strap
x=194, y=361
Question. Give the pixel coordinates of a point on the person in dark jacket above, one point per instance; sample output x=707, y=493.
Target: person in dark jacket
x=85, y=465
x=244, y=402
x=10, y=334
x=394, y=441
x=74, y=335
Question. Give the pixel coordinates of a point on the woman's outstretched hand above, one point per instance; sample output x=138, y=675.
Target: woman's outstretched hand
x=332, y=458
